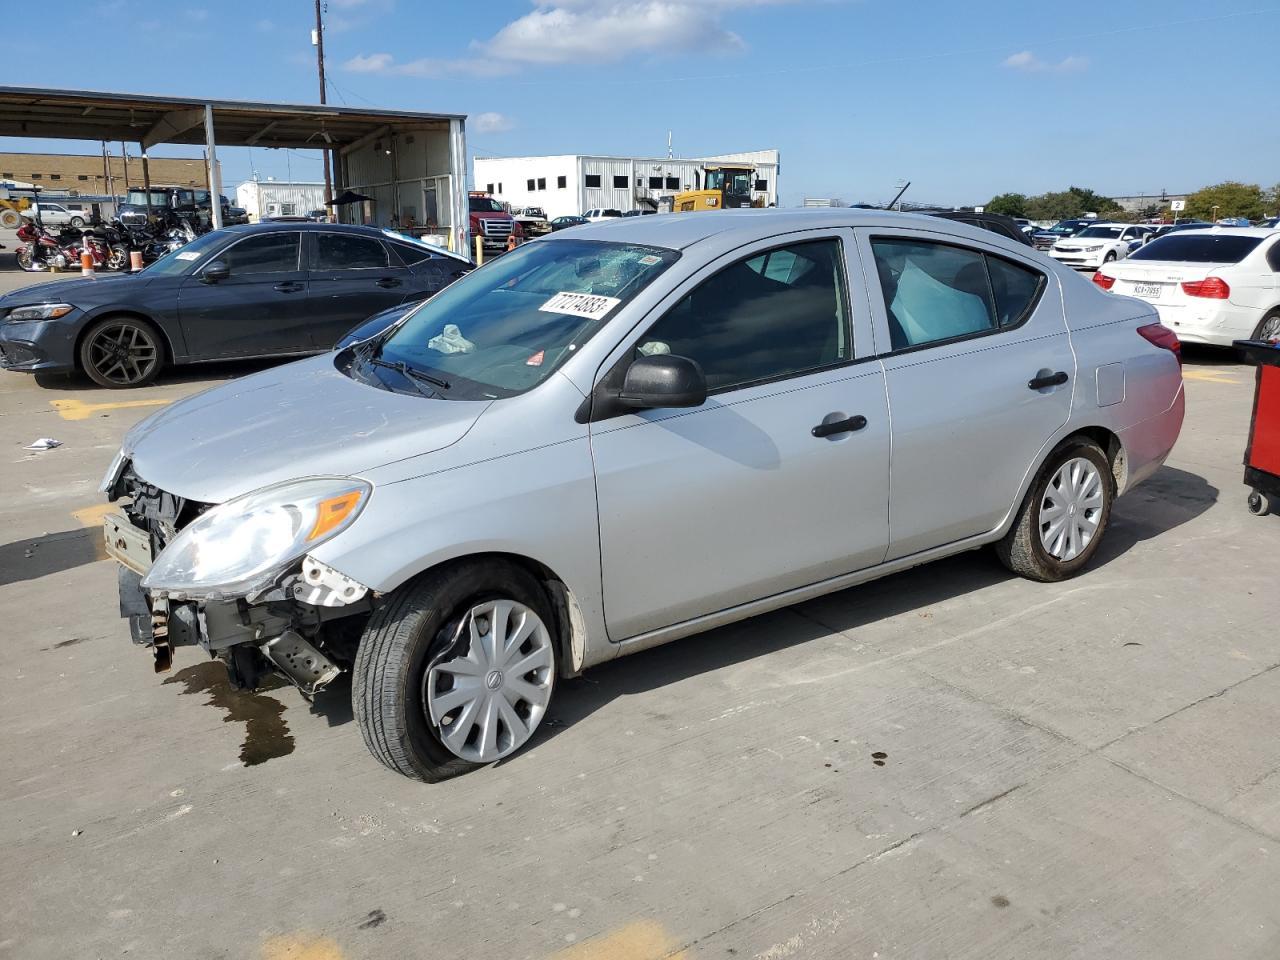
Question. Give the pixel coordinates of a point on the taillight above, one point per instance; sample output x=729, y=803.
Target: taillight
x=1214, y=288
x=1102, y=280
x=1163, y=337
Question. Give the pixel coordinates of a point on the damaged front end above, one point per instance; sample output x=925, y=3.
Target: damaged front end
x=236, y=578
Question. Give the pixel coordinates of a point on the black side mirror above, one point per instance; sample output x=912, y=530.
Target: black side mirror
x=216, y=271
x=663, y=380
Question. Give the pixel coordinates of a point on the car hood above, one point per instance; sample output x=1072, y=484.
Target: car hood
x=78, y=292
x=304, y=419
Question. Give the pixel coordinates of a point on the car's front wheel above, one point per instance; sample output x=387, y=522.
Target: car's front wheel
x=456, y=670
x=77, y=222
x=119, y=352
x=1062, y=520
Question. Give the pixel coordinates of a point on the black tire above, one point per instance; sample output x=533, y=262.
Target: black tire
x=121, y=352
x=117, y=257
x=398, y=644
x=23, y=257
x=1260, y=505
x=1110, y=257
x=1022, y=551
x=1272, y=320
x=77, y=223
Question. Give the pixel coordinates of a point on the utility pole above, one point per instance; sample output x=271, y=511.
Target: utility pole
x=318, y=40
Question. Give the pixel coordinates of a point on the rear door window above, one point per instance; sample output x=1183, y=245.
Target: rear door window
x=1197, y=247
x=933, y=292
x=341, y=251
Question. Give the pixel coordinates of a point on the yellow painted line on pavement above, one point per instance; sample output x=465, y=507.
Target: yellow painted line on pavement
x=71, y=409
x=1207, y=376
x=641, y=940
x=301, y=947
x=93, y=516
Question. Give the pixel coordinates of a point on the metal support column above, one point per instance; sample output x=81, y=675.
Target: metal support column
x=395, y=181
x=215, y=175
x=460, y=215
x=146, y=181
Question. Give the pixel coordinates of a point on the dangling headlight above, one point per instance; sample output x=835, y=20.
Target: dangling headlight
x=239, y=547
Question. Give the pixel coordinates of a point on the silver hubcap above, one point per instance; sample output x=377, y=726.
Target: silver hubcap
x=487, y=703
x=123, y=353
x=1270, y=328
x=1071, y=509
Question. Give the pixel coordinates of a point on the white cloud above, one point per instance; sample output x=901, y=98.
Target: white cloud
x=374, y=63
x=576, y=31
x=428, y=67
x=569, y=31
x=265, y=26
x=1028, y=62
x=491, y=123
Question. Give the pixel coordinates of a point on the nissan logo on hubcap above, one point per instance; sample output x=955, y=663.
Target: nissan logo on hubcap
x=494, y=680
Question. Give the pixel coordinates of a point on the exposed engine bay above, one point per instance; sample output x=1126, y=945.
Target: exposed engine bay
x=305, y=626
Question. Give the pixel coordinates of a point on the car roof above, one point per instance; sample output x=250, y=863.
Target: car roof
x=678, y=231
x=1218, y=231
x=309, y=225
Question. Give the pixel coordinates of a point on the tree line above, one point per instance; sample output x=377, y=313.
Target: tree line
x=1227, y=199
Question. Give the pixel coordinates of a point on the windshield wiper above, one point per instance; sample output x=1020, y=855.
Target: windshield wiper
x=411, y=374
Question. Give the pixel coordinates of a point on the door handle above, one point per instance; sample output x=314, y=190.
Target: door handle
x=839, y=426
x=1049, y=380
x=387, y=282
x=289, y=286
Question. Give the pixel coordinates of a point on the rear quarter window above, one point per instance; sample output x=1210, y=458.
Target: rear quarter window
x=1197, y=248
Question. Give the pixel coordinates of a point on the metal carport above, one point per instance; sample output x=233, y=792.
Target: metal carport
x=400, y=158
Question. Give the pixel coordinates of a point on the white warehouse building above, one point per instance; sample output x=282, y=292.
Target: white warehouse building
x=279, y=198
x=572, y=183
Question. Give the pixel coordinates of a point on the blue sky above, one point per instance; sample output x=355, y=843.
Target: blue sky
x=963, y=99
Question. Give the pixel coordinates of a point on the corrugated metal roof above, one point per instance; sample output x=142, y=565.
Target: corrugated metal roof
x=95, y=115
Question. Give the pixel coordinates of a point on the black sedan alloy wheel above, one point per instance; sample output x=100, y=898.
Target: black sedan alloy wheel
x=119, y=352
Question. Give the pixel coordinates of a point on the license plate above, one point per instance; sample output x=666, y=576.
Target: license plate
x=1150, y=291
x=127, y=543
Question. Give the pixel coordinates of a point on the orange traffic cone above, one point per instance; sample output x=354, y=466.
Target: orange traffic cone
x=86, y=263
x=511, y=243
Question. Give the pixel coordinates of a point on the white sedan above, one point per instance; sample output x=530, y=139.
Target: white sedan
x=1094, y=246
x=1214, y=285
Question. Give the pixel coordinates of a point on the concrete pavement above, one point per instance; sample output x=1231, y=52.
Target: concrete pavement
x=949, y=763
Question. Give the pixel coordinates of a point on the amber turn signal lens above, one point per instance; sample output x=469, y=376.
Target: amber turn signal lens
x=331, y=512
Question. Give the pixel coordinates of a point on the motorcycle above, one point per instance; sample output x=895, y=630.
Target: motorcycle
x=43, y=250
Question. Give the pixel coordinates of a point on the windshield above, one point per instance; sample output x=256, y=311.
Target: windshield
x=483, y=205
x=1194, y=246
x=1065, y=228
x=139, y=198
x=182, y=260
x=506, y=327
x=1102, y=233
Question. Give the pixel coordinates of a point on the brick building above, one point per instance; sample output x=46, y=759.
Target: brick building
x=59, y=172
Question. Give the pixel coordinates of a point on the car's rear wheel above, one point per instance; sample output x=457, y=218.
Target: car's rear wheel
x=456, y=671
x=1065, y=514
x=1268, y=327
x=121, y=352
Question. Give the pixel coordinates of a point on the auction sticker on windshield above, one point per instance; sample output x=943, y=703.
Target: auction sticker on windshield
x=188, y=255
x=589, y=305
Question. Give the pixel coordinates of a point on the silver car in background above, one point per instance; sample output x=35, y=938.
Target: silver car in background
x=625, y=434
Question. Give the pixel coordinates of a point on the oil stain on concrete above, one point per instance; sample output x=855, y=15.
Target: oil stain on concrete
x=266, y=734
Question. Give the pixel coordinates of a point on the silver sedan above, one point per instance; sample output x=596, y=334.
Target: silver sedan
x=624, y=434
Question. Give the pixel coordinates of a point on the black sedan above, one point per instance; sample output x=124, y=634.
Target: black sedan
x=259, y=290
x=564, y=223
